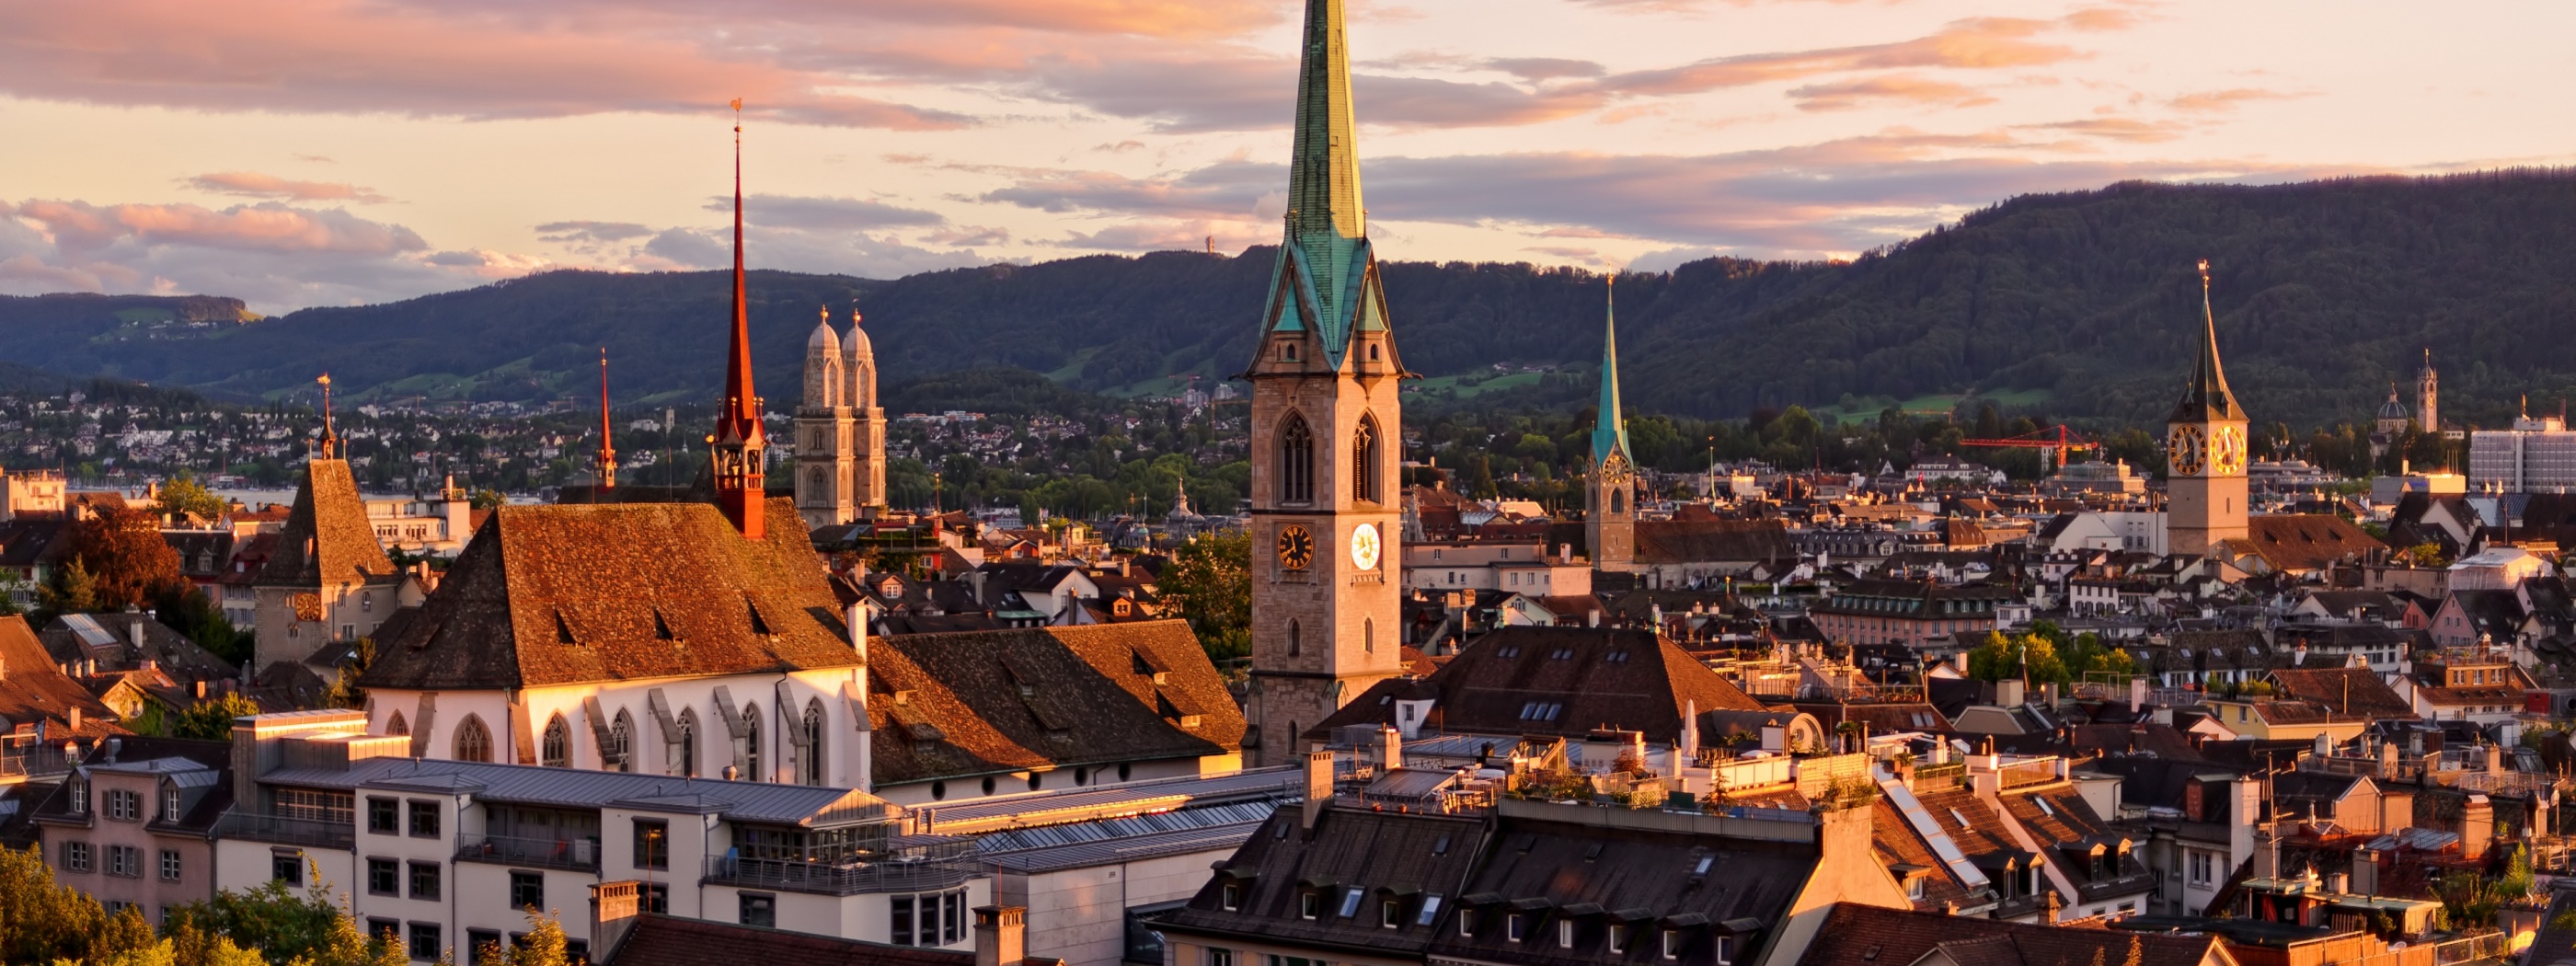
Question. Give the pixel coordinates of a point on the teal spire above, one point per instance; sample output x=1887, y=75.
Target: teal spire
x=1327, y=269
x=1609, y=430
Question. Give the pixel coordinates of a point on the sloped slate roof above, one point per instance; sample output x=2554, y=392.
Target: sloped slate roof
x=1710, y=541
x=330, y=518
x=1858, y=935
x=1597, y=677
x=32, y=689
x=659, y=940
x=579, y=593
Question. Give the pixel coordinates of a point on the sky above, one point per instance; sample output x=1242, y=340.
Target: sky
x=328, y=152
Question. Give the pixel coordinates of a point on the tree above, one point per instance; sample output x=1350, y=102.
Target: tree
x=123, y=552
x=212, y=719
x=1210, y=584
x=183, y=494
x=189, y=611
x=39, y=920
x=71, y=591
x=487, y=498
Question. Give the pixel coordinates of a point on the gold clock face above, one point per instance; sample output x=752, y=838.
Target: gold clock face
x=2227, y=452
x=2183, y=450
x=1365, y=546
x=1614, y=468
x=1296, y=547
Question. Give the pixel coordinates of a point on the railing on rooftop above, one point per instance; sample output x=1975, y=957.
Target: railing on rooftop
x=2027, y=773
x=34, y=761
x=552, y=852
x=281, y=830
x=928, y=868
x=1940, y=775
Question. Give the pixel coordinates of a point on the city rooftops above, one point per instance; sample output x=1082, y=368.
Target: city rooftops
x=757, y=802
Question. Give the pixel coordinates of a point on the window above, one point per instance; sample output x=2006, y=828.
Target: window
x=473, y=740
x=621, y=741
x=809, y=760
x=558, y=744
x=688, y=746
x=424, y=880
x=1364, y=461
x=1351, y=902
x=1565, y=934
x=1296, y=461
x=1310, y=904
x=749, y=751
x=930, y=918
x=424, y=940
x=1390, y=913
x=1295, y=641
x=657, y=898
x=1220, y=957
x=1513, y=925
x=1725, y=950
x=76, y=856
x=124, y=806
x=79, y=790
x=1368, y=635
x=1672, y=944
x=1467, y=923
x=385, y=929
x=397, y=726
x=287, y=867
x=384, y=816
x=384, y=877
x=125, y=860
x=170, y=805
x=1618, y=938
x=652, y=844
x=424, y=819
x=527, y=890
x=169, y=865
x=1430, y=910
x=1229, y=897
x=478, y=940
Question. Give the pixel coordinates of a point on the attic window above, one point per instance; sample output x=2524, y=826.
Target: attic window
x=1541, y=710
x=2043, y=806
x=1962, y=819
x=563, y=631
x=1509, y=650
x=1617, y=657
x=662, y=628
x=1440, y=847
x=1561, y=654
x=758, y=626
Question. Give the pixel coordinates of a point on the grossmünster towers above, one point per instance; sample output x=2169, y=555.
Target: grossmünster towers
x=1326, y=429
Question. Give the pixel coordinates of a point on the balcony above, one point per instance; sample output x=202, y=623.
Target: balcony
x=926, y=869
x=550, y=852
x=280, y=830
x=33, y=761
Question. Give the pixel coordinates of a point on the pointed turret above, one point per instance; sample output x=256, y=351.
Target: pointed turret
x=1327, y=272
x=329, y=447
x=2205, y=397
x=739, y=445
x=607, y=452
x=1609, y=427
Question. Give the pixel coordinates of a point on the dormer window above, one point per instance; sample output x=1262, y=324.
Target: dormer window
x=1230, y=897
x=170, y=804
x=79, y=795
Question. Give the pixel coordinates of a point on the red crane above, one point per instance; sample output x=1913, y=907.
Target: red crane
x=2058, y=438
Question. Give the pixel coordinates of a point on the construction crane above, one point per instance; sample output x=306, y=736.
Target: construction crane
x=2057, y=438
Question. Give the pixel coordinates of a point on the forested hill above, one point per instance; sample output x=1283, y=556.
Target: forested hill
x=2080, y=304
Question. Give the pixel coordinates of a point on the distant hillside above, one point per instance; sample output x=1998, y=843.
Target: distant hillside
x=2077, y=304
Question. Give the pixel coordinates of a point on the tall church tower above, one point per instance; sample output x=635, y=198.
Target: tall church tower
x=2205, y=493
x=1609, y=494
x=2427, y=395
x=739, y=448
x=823, y=432
x=1327, y=431
x=865, y=442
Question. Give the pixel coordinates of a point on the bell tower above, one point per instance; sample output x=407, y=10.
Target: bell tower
x=739, y=448
x=2205, y=490
x=2428, y=395
x=823, y=432
x=1610, y=490
x=1327, y=431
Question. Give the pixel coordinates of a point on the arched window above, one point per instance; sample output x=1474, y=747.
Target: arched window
x=810, y=770
x=473, y=740
x=747, y=748
x=396, y=725
x=1296, y=461
x=1368, y=634
x=1293, y=642
x=619, y=755
x=557, y=752
x=1618, y=500
x=687, y=761
x=1364, y=461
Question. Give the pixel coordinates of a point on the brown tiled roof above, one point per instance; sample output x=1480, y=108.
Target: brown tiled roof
x=605, y=592
x=1857, y=935
x=2301, y=542
x=2347, y=691
x=327, y=538
x=32, y=689
x=1597, y=677
x=669, y=941
x=980, y=702
x=1712, y=541
x=1893, y=842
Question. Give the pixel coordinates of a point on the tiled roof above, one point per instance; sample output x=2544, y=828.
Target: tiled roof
x=671, y=941
x=604, y=592
x=1712, y=541
x=32, y=689
x=1893, y=842
x=1592, y=678
x=2304, y=542
x=981, y=702
x=2348, y=691
x=1857, y=935
x=327, y=539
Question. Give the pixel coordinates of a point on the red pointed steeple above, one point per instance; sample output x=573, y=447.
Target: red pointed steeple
x=607, y=453
x=739, y=446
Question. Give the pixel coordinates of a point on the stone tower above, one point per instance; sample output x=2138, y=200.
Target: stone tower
x=865, y=441
x=1610, y=491
x=2205, y=492
x=1327, y=431
x=2427, y=396
x=823, y=432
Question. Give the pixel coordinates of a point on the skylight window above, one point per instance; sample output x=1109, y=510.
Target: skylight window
x=1351, y=902
x=1704, y=862
x=2043, y=806
x=1962, y=819
x=1430, y=910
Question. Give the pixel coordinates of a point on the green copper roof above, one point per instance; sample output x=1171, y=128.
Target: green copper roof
x=1609, y=429
x=1325, y=263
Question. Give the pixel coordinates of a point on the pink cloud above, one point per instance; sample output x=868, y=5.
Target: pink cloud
x=1901, y=88
x=256, y=185
x=2213, y=102
x=2127, y=129
x=268, y=227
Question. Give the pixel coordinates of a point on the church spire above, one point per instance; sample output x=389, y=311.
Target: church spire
x=2205, y=395
x=607, y=453
x=1327, y=278
x=1609, y=428
x=330, y=445
x=739, y=445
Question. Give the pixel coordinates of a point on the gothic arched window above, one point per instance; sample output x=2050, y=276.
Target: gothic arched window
x=810, y=770
x=747, y=751
x=396, y=725
x=1296, y=461
x=473, y=740
x=1618, y=500
x=1293, y=642
x=619, y=755
x=1364, y=461
x=1368, y=635
x=687, y=763
x=558, y=744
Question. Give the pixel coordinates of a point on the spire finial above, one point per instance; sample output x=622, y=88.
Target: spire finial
x=330, y=449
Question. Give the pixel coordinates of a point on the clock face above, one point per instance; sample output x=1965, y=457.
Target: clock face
x=1615, y=468
x=2227, y=452
x=1296, y=547
x=1364, y=546
x=2184, y=448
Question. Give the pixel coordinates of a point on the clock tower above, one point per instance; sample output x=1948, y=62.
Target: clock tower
x=1327, y=432
x=1610, y=491
x=2205, y=492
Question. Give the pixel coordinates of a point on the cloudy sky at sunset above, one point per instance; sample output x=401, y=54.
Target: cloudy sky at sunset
x=304, y=152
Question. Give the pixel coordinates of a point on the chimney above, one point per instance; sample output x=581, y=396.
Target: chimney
x=1390, y=750
x=2324, y=746
x=75, y=718
x=2137, y=695
x=856, y=620
x=2365, y=872
x=1689, y=744
x=2008, y=693
x=1319, y=785
x=2267, y=855
x=2477, y=827
x=2495, y=759
x=134, y=632
x=614, y=910
x=2053, y=902
x=1001, y=935
x=1960, y=661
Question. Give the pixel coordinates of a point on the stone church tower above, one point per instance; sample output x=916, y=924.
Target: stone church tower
x=1327, y=431
x=2205, y=489
x=2428, y=396
x=1610, y=490
x=840, y=432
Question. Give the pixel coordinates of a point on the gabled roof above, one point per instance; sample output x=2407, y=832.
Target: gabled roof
x=2345, y=691
x=568, y=594
x=1378, y=853
x=2298, y=542
x=32, y=689
x=327, y=539
x=1712, y=541
x=1858, y=935
x=1559, y=681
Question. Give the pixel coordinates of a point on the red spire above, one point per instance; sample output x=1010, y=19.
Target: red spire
x=739, y=446
x=607, y=453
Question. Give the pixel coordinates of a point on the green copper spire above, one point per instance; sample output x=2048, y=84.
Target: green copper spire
x=1327, y=267
x=1609, y=429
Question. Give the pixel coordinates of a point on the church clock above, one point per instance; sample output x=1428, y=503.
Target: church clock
x=1296, y=547
x=2227, y=451
x=1364, y=546
x=2183, y=450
